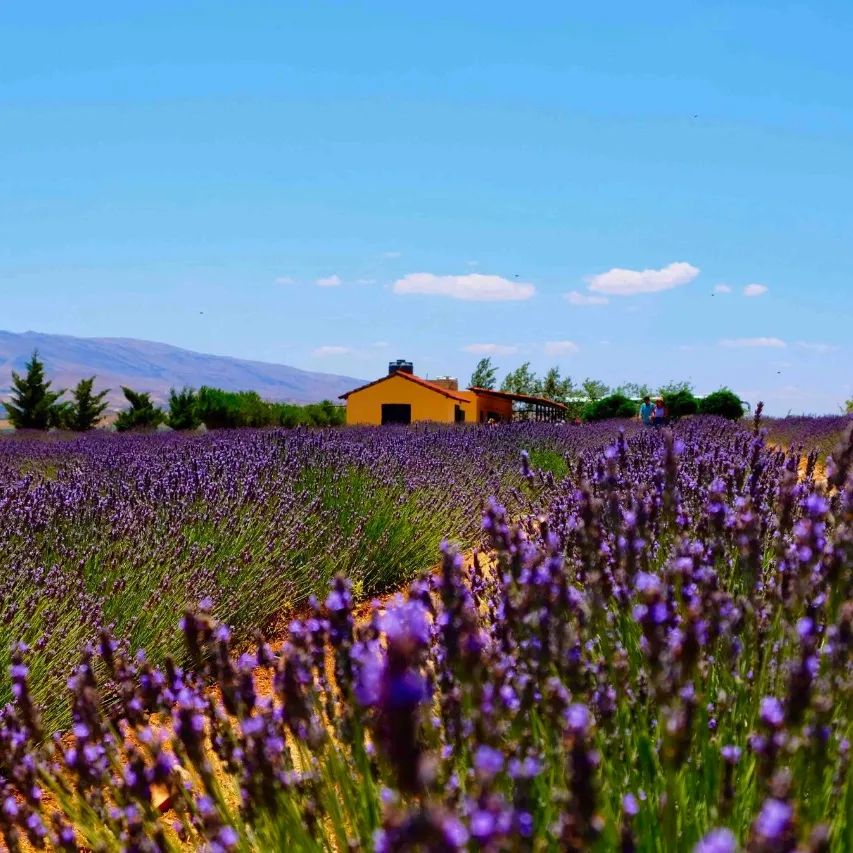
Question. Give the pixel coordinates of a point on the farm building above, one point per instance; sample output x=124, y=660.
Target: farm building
x=401, y=397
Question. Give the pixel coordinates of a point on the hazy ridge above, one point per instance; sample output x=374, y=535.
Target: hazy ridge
x=156, y=367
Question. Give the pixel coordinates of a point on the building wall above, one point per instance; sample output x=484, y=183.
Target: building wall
x=365, y=406
x=481, y=407
x=469, y=407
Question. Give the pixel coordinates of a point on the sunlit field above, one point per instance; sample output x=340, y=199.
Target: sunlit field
x=600, y=636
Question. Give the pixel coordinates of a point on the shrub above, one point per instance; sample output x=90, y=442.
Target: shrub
x=325, y=413
x=252, y=411
x=289, y=415
x=142, y=414
x=614, y=406
x=218, y=409
x=724, y=403
x=681, y=403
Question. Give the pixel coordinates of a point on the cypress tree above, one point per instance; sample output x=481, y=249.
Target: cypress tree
x=183, y=409
x=87, y=408
x=33, y=404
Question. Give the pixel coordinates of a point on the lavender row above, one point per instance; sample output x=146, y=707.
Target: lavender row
x=821, y=432
x=122, y=533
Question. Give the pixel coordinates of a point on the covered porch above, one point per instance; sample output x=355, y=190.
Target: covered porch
x=504, y=406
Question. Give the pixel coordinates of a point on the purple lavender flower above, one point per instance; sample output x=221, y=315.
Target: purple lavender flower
x=488, y=761
x=731, y=754
x=717, y=841
x=771, y=712
x=578, y=718
x=774, y=825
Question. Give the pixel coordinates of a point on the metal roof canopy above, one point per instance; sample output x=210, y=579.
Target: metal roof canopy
x=520, y=398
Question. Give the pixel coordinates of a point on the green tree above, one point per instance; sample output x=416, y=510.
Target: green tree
x=612, y=406
x=33, y=405
x=594, y=390
x=323, y=414
x=724, y=403
x=218, y=409
x=556, y=387
x=183, y=409
x=86, y=409
x=289, y=415
x=484, y=375
x=848, y=407
x=522, y=380
x=142, y=414
x=675, y=386
x=635, y=390
x=254, y=411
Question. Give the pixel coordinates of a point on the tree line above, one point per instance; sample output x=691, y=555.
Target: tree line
x=35, y=405
x=593, y=400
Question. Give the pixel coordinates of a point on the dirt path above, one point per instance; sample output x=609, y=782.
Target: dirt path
x=263, y=675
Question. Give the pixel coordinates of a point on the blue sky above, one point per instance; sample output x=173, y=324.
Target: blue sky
x=334, y=184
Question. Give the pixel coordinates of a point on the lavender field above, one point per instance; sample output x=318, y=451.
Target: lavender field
x=649, y=649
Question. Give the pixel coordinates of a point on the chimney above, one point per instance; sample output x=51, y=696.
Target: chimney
x=400, y=366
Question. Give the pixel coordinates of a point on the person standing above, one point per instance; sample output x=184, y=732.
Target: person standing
x=659, y=413
x=646, y=410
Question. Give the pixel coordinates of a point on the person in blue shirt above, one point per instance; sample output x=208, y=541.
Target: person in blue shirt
x=646, y=410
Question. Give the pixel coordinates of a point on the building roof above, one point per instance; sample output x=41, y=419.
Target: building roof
x=453, y=395
x=520, y=398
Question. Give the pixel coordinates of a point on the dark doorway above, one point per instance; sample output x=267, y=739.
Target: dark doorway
x=459, y=415
x=396, y=413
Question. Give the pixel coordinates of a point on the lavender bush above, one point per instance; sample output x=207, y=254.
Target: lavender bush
x=819, y=433
x=650, y=653
x=121, y=533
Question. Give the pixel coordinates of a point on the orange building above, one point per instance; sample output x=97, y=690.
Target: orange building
x=403, y=398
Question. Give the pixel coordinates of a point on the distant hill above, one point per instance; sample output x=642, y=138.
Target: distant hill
x=155, y=367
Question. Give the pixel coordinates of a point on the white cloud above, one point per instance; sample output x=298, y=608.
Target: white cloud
x=575, y=297
x=326, y=351
x=490, y=349
x=755, y=290
x=622, y=282
x=380, y=344
x=365, y=281
x=561, y=347
x=752, y=342
x=473, y=287
x=328, y=281
x=722, y=288
x=391, y=255
x=285, y=279
x=816, y=347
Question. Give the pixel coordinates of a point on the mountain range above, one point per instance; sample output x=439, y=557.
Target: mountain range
x=156, y=367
